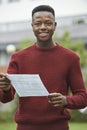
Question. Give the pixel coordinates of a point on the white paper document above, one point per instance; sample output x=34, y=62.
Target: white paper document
x=28, y=85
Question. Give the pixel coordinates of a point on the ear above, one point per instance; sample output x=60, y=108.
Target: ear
x=55, y=24
x=32, y=24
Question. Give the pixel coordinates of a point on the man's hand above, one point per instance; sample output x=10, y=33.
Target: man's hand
x=57, y=99
x=4, y=82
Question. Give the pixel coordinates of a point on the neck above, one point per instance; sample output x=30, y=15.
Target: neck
x=45, y=45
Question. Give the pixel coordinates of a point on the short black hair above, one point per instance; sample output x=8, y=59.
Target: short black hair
x=43, y=8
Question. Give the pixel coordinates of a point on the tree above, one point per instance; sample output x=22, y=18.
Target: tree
x=24, y=44
x=78, y=47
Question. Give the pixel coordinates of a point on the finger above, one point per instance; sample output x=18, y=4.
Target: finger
x=7, y=83
x=2, y=75
x=54, y=95
x=4, y=79
x=4, y=82
x=55, y=104
x=56, y=99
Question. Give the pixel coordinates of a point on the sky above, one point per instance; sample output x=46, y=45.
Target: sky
x=21, y=11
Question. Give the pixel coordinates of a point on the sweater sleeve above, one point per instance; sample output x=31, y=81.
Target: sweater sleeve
x=78, y=99
x=6, y=96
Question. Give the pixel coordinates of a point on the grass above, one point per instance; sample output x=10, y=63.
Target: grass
x=7, y=126
x=73, y=126
x=78, y=126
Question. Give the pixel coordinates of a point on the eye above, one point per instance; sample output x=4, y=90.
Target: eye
x=37, y=24
x=48, y=23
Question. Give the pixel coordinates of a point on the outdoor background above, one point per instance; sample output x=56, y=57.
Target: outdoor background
x=16, y=34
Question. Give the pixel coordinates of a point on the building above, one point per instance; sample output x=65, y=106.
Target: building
x=15, y=25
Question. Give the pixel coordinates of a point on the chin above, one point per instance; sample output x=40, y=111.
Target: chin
x=44, y=40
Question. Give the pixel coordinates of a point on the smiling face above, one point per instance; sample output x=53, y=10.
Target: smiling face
x=43, y=24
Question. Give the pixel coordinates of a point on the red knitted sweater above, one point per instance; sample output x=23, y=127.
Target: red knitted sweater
x=59, y=70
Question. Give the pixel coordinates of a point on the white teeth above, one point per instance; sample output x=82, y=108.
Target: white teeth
x=43, y=34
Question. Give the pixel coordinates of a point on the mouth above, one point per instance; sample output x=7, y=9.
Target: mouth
x=43, y=34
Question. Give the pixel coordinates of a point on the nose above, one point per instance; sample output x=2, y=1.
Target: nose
x=42, y=26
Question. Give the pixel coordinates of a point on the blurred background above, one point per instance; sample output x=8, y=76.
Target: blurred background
x=16, y=34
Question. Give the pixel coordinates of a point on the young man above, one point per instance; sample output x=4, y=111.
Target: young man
x=59, y=70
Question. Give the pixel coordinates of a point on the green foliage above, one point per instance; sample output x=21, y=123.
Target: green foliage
x=24, y=44
x=78, y=117
x=5, y=116
x=9, y=112
x=77, y=46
